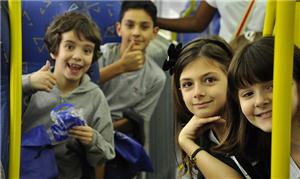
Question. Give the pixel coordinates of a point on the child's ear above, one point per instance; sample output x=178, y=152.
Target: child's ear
x=155, y=31
x=52, y=56
x=118, y=29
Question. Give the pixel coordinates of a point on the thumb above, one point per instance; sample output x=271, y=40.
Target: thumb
x=46, y=67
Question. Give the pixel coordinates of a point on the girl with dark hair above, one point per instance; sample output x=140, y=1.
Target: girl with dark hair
x=199, y=93
x=249, y=113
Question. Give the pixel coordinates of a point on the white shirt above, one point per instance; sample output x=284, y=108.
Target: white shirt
x=213, y=138
x=232, y=12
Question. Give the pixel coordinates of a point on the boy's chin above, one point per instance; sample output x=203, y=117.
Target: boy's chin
x=73, y=78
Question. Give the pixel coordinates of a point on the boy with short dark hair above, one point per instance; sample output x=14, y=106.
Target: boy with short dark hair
x=73, y=42
x=130, y=78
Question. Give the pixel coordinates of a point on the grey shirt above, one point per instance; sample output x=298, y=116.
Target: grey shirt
x=139, y=90
x=91, y=100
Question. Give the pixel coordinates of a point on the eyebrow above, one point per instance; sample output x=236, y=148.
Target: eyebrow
x=241, y=90
x=202, y=76
x=90, y=44
x=141, y=22
x=69, y=41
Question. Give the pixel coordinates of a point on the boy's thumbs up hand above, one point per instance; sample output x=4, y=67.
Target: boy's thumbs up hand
x=43, y=79
x=46, y=67
x=131, y=59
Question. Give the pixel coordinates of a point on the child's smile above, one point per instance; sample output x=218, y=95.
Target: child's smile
x=264, y=115
x=202, y=105
x=74, y=68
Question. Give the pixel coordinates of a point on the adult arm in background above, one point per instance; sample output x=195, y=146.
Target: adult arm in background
x=196, y=23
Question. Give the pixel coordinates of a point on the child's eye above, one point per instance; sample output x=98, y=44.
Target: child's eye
x=269, y=87
x=69, y=46
x=210, y=80
x=129, y=25
x=186, y=84
x=88, y=51
x=246, y=94
x=145, y=27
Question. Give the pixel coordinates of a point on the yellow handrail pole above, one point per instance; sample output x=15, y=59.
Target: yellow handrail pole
x=283, y=69
x=269, y=18
x=297, y=24
x=15, y=14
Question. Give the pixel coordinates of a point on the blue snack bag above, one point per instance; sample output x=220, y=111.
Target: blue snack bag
x=65, y=116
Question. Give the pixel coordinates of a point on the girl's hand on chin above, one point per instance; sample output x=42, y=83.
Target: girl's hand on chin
x=196, y=126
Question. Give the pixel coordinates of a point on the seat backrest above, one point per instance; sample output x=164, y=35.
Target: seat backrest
x=38, y=14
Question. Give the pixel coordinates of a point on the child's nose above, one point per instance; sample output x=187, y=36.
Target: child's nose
x=136, y=31
x=77, y=55
x=261, y=100
x=199, y=91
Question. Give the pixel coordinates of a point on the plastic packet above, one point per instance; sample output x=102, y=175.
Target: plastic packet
x=65, y=116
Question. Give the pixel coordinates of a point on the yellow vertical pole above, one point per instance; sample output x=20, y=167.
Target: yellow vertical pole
x=269, y=18
x=297, y=24
x=15, y=15
x=283, y=69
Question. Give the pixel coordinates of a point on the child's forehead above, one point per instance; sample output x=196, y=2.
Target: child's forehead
x=203, y=65
x=73, y=36
x=137, y=15
x=212, y=63
x=258, y=84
